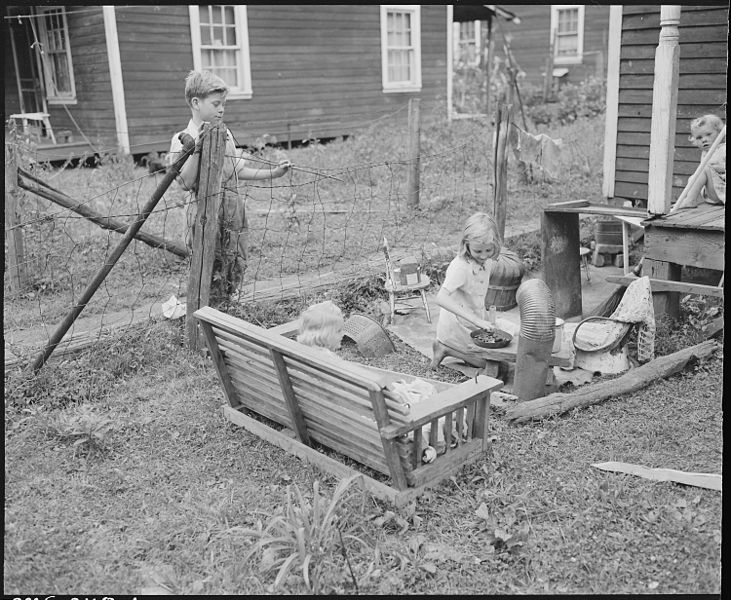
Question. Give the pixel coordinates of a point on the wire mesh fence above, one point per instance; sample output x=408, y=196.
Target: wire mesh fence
x=329, y=216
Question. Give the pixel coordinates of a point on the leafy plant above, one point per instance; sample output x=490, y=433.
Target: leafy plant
x=302, y=536
x=86, y=428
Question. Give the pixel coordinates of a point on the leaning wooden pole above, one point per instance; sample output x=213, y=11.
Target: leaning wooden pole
x=42, y=189
x=188, y=147
x=205, y=231
x=500, y=188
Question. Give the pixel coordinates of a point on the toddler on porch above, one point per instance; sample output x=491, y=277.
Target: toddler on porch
x=712, y=179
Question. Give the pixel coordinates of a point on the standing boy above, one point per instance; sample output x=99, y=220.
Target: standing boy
x=205, y=94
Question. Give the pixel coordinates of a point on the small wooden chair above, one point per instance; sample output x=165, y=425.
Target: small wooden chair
x=37, y=116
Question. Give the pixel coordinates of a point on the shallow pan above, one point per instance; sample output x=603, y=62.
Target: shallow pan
x=499, y=338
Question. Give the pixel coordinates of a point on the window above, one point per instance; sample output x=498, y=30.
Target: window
x=401, y=48
x=220, y=40
x=467, y=38
x=567, y=28
x=58, y=70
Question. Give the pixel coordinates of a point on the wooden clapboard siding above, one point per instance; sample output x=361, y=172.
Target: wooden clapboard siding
x=315, y=71
x=701, y=90
x=531, y=40
x=93, y=110
x=156, y=55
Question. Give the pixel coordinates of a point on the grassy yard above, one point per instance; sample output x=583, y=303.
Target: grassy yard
x=122, y=476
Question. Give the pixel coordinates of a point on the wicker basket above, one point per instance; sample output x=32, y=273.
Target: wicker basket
x=368, y=334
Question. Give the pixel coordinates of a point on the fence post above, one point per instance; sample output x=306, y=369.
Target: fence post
x=500, y=202
x=13, y=231
x=548, y=80
x=412, y=181
x=205, y=229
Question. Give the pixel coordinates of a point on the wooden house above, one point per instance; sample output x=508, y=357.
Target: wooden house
x=701, y=89
x=580, y=33
x=111, y=77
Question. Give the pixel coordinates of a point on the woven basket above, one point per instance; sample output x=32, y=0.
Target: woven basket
x=368, y=334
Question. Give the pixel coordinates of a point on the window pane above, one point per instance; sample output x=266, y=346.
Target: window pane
x=230, y=36
x=216, y=16
x=205, y=35
x=229, y=17
x=567, y=44
x=204, y=14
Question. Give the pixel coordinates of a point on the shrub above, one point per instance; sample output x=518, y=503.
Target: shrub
x=573, y=101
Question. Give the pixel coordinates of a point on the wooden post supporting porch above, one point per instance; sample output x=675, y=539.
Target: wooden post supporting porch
x=662, y=146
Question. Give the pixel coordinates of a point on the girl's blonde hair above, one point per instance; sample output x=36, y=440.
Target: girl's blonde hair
x=199, y=84
x=712, y=120
x=322, y=325
x=479, y=228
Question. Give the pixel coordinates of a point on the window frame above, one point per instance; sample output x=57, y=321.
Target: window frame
x=244, y=92
x=578, y=57
x=414, y=85
x=476, y=40
x=52, y=95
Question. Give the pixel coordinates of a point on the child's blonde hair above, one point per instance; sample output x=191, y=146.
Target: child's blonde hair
x=479, y=228
x=714, y=121
x=199, y=84
x=322, y=325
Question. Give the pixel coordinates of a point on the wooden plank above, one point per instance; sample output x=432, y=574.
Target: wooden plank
x=290, y=398
x=690, y=35
x=389, y=449
x=220, y=366
x=688, y=66
x=287, y=347
x=697, y=248
x=309, y=455
x=708, y=216
x=595, y=209
x=337, y=391
x=663, y=302
x=358, y=450
x=695, y=50
x=663, y=285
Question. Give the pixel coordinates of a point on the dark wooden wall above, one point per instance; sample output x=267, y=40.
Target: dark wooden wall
x=93, y=111
x=701, y=90
x=531, y=40
x=315, y=69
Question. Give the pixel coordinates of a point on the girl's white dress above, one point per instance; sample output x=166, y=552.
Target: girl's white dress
x=470, y=281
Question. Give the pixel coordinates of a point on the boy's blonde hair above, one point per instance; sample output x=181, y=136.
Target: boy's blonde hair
x=322, y=325
x=199, y=84
x=714, y=121
x=479, y=228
